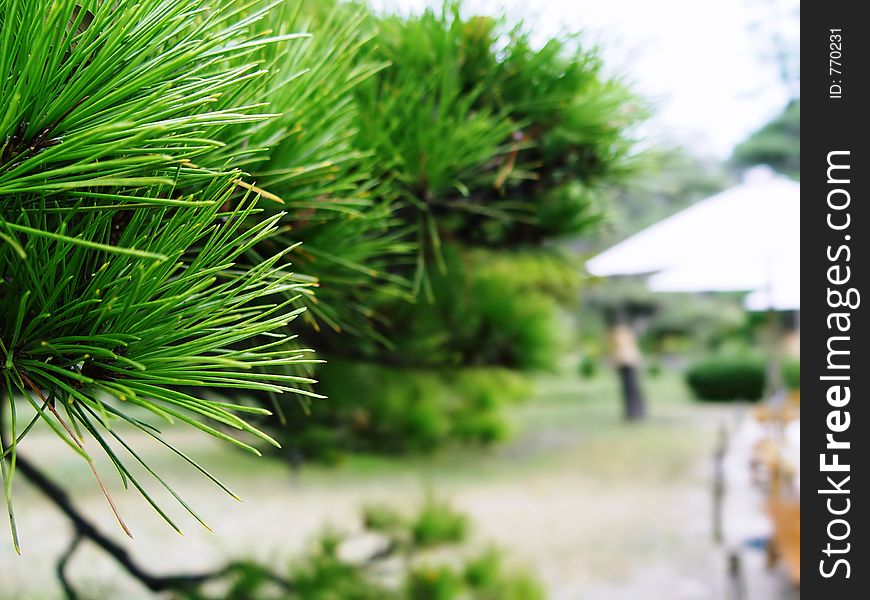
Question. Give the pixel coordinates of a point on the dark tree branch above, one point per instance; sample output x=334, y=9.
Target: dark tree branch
x=62, y=563
x=86, y=530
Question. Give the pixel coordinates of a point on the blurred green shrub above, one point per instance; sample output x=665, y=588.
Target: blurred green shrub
x=791, y=374
x=372, y=407
x=777, y=144
x=438, y=523
x=484, y=577
x=453, y=365
x=588, y=367
x=430, y=582
x=724, y=378
x=383, y=519
x=325, y=573
x=482, y=314
x=326, y=576
x=488, y=576
x=489, y=135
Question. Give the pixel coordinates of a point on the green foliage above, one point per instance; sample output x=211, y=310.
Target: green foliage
x=725, y=378
x=305, y=155
x=323, y=574
x=570, y=208
x=484, y=577
x=430, y=582
x=433, y=145
x=383, y=519
x=791, y=374
x=191, y=101
x=438, y=524
x=481, y=315
x=488, y=576
x=119, y=94
x=572, y=127
x=419, y=116
x=247, y=580
x=490, y=139
x=95, y=327
x=546, y=271
x=484, y=146
x=385, y=409
x=777, y=144
x=308, y=157
x=588, y=367
x=445, y=376
x=126, y=280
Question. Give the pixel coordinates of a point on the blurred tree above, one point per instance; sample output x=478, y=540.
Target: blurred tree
x=493, y=148
x=777, y=144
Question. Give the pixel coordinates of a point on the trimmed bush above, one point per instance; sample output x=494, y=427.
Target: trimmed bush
x=725, y=378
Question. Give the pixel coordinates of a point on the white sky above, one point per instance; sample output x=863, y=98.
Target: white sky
x=699, y=61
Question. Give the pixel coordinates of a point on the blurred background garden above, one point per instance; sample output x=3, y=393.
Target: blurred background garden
x=387, y=273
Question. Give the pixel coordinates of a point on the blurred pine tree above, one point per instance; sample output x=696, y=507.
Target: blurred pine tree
x=492, y=148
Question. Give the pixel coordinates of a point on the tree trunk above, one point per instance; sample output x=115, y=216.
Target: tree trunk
x=632, y=395
x=626, y=358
